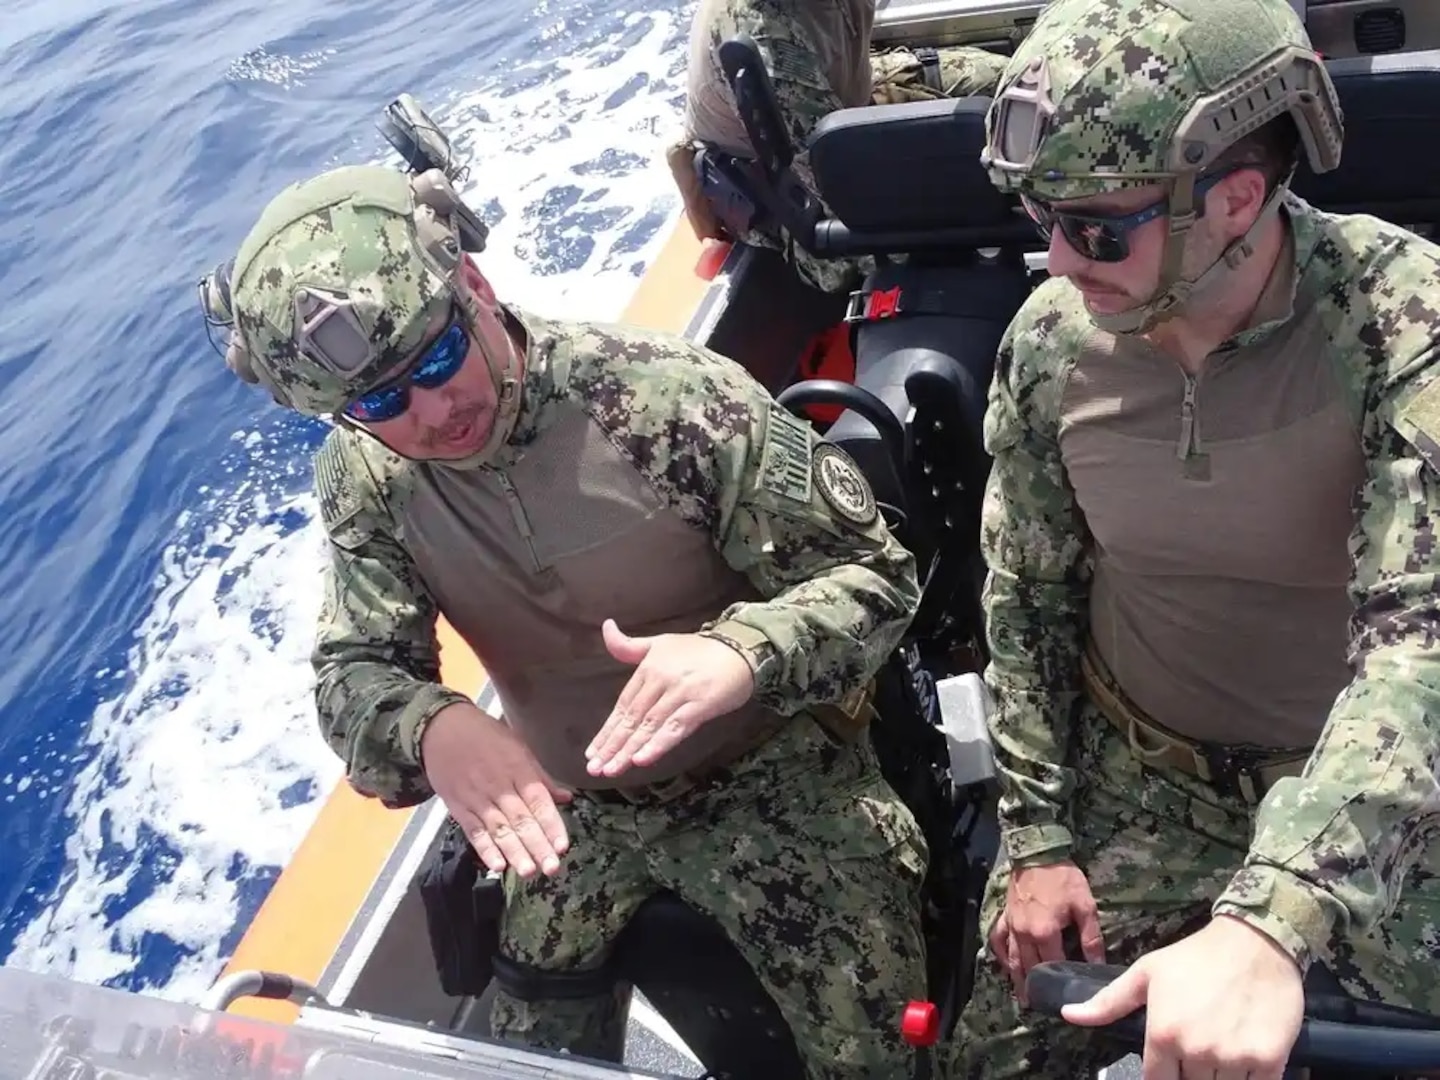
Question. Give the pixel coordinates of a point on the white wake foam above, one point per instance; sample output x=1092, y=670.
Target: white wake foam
x=564, y=146
x=215, y=725
x=212, y=733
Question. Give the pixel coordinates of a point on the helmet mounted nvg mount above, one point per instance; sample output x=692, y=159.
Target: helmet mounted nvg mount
x=423, y=146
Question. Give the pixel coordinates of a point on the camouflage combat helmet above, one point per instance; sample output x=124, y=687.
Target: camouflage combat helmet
x=340, y=281
x=1107, y=94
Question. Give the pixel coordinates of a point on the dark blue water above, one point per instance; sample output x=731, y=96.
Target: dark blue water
x=157, y=550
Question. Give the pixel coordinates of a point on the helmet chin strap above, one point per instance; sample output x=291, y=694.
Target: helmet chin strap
x=505, y=377
x=1174, y=292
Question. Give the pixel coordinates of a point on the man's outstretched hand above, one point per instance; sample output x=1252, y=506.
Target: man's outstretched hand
x=681, y=681
x=495, y=790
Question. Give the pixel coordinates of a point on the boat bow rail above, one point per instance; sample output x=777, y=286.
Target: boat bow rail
x=56, y=1029
x=274, y=985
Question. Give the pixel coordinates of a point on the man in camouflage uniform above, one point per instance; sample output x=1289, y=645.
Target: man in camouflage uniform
x=674, y=587
x=818, y=56
x=1211, y=534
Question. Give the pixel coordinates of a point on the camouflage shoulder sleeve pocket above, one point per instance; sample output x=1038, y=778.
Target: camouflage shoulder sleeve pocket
x=1001, y=428
x=1417, y=419
x=1033, y=363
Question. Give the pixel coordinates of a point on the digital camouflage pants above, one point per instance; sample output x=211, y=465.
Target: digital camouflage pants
x=806, y=858
x=1157, y=847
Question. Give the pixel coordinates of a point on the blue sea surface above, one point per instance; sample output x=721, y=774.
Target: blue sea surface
x=158, y=552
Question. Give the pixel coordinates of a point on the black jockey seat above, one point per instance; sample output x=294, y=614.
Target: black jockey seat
x=905, y=180
x=902, y=183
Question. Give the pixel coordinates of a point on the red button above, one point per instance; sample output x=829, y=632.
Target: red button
x=920, y=1025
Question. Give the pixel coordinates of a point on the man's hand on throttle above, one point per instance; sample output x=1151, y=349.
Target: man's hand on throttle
x=1225, y=1002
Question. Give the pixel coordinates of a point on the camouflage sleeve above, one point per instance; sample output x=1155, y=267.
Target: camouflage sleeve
x=1333, y=847
x=1033, y=538
x=792, y=513
x=375, y=658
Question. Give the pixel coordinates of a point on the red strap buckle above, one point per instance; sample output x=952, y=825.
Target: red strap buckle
x=877, y=304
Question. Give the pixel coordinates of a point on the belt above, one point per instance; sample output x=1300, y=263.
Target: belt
x=664, y=792
x=846, y=720
x=685, y=783
x=1243, y=771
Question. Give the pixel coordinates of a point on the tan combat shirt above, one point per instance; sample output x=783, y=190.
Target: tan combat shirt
x=646, y=480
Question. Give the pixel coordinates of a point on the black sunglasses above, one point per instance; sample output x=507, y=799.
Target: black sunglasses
x=1106, y=237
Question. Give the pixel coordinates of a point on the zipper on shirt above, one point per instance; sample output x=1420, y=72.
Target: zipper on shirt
x=1196, y=461
x=522, y=522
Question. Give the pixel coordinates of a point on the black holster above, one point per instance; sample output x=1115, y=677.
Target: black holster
x=463, y=907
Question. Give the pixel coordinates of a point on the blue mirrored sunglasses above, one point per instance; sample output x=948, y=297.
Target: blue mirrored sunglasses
x=435, y=367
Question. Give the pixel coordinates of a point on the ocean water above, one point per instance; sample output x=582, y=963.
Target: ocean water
x=158, y=544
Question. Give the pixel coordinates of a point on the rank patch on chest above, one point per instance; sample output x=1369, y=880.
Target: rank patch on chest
x=786, y=455
x=843, y=485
